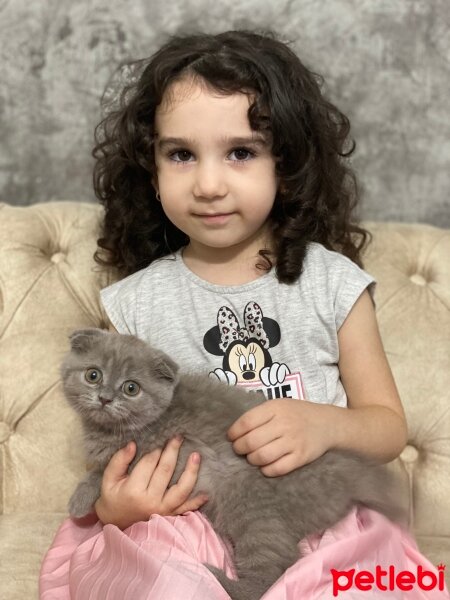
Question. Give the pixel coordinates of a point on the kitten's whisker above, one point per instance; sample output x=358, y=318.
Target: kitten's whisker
x=121, y=430
x=135, y=424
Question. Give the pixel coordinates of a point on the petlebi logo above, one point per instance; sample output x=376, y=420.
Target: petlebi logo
x=388, y=579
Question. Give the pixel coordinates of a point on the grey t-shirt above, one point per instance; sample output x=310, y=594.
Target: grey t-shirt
x=276, y=338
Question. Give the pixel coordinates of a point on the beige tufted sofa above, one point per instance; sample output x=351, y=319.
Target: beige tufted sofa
x=49, y=285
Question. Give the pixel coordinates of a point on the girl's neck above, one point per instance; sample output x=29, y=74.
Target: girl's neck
x=225, y=266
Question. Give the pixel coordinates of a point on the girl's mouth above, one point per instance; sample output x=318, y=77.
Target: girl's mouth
x=215, y=219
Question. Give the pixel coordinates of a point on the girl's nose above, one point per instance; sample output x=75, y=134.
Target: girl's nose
x=209, y=181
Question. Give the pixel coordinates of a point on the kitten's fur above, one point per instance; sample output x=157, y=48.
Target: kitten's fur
x=263, y=517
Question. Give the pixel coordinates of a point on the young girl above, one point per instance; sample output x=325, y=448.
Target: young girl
x=228, y=214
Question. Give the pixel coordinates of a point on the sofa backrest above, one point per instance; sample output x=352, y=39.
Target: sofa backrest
x=412, y=265
x=49, y=286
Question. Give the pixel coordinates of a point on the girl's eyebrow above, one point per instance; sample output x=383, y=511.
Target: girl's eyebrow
x=226, y=141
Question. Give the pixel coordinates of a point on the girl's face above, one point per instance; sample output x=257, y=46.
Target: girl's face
x=216, y=177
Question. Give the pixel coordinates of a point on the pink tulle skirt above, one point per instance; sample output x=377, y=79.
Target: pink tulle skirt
x=162, y=560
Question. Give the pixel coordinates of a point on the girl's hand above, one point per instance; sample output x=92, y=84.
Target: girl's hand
x=282, y=435
x=128, y=498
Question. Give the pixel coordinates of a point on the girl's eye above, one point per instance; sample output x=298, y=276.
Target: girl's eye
x=131, y=388
x=182, y=154
x=242, y=154
x=93, y=375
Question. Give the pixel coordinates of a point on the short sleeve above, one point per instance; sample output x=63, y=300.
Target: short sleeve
x=338, y=283
x=120, y=301
x=350, y=282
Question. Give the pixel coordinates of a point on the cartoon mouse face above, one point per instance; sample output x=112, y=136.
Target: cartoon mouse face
x=245, y=350
x=245, y=359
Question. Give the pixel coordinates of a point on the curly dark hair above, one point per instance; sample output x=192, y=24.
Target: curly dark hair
x=309, y=135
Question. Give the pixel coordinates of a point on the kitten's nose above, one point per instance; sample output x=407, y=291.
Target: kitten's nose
x=104, y=400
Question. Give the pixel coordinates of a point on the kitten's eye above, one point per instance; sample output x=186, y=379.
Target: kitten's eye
x=131, y=388
x=93, y=376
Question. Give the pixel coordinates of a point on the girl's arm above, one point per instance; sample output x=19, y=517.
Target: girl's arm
x=281, y=435
x=376, y=423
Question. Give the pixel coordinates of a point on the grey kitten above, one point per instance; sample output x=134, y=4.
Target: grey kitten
x=125, y=390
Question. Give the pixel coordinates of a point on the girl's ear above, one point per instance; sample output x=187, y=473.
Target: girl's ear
x=156, y=188
x=282, y=189
x=81, y=339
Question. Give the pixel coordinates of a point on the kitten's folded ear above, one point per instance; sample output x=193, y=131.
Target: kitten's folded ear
x=164, y=367
x=82, y=339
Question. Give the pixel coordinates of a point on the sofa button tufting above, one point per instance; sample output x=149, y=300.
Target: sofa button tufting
x=418, y=279
x=57, y=257
x=410, y=454
x=5, y=432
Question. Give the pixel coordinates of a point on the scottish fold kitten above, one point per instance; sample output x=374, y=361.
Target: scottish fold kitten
x=125, y=390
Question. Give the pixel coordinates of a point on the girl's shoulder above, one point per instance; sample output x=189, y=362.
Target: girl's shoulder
x=335, y=280
x=124, y=299
x=158, y=271
x=330, y=265
x=318, y=255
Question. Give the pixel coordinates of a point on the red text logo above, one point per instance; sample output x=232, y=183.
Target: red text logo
x=388, y=579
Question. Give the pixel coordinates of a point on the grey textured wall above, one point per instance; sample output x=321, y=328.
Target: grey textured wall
x=386, y=64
